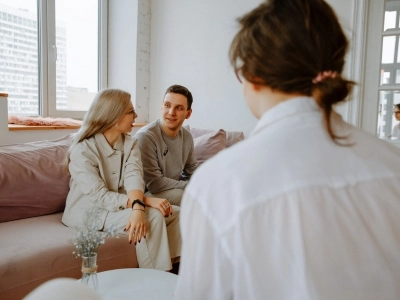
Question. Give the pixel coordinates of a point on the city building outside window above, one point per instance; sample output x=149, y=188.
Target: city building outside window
x=52, y=55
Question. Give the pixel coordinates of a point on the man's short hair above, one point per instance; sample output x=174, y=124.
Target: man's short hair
x=179, y=89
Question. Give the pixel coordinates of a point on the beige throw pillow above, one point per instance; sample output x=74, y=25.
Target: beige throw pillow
x=232, y=137
x=209, y=144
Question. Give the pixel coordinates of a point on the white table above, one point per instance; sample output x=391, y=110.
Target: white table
x=136, y=283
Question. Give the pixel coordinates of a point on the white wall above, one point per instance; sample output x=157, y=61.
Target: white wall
x=352, y=16
x=189, y=46
x=122, y=44
x=129, y=51
x=187, y=42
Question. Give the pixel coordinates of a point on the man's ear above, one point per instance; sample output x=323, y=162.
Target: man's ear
x=189, y=113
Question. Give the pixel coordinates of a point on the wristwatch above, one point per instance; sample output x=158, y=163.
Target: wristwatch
x=139, y=202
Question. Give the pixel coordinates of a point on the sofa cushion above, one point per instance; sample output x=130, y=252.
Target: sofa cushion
x=38, y=249
x=209, y=144
x=32, y=179
x=232, y=137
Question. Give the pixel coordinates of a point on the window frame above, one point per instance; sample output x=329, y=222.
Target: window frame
x=372, y=63
x=48, y=53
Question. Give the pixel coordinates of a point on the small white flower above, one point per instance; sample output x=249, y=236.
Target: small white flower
x=87, y=238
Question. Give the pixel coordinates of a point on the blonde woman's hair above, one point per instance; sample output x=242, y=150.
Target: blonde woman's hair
x=107, y=108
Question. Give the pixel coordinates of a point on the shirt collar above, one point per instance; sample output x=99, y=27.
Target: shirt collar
x=284, y=109
x=105, y=147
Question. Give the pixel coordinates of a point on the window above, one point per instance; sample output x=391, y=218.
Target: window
x=389, y=84
x=52, y=55
x=382, y=72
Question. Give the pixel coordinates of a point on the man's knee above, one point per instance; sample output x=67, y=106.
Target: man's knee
x=175, y=197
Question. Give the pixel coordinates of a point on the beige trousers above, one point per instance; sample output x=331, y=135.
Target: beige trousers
x=163, y=238
x=174, y=196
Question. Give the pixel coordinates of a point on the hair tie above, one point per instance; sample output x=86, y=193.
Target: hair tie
x=321, y=76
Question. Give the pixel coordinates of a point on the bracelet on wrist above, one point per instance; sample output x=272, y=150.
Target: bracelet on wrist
x=137, y=209
x=138, y=201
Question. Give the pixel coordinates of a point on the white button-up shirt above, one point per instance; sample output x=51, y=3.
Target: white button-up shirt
x=289, y=214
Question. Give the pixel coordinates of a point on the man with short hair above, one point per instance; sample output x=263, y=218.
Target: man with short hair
x=167, y=148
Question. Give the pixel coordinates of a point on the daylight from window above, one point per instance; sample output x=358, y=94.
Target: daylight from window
x=19, y=67
x=81, y=53
x=389, y=93
x=75, y=55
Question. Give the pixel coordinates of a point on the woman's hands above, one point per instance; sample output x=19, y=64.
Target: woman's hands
x=162, y=204
x=136, y=225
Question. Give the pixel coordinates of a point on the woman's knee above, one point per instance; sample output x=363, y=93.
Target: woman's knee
x=155, y=217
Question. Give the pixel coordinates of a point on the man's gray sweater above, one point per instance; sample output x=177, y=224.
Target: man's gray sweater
x=167, y=162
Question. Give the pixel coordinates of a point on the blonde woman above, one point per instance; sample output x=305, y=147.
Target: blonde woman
x=106, y=172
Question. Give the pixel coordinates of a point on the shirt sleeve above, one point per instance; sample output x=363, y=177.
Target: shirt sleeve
x=205, y=271
x=84, y=169
x=153, y=175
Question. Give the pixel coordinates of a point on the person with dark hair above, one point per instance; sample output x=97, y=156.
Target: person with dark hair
x=396, y=128
x=107, y=174
x=167, y=148
x=307, y=207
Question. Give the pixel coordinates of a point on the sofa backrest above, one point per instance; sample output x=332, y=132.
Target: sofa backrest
x=208, y=142
x=32, y=180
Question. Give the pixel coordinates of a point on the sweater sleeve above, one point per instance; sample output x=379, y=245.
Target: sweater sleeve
x=153, y=175
x=191, y=163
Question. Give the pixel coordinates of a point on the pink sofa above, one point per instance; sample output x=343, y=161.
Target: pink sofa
x=34, y=244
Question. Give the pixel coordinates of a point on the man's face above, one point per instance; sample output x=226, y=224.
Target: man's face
x=174, y=111
x=396, y=113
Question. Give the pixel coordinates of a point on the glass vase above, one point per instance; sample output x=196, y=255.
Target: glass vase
x=89, y=270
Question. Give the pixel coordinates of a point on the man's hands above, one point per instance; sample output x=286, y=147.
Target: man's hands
x=162, y=204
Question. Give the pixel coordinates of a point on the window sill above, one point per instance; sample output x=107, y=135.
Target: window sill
x=14, y=127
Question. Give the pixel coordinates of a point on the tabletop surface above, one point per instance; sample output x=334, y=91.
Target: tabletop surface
x=136, y=283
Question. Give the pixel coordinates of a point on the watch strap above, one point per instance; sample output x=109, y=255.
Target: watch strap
x=138, y=201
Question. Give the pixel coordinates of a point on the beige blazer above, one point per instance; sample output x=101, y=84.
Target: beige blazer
x=101, y=176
